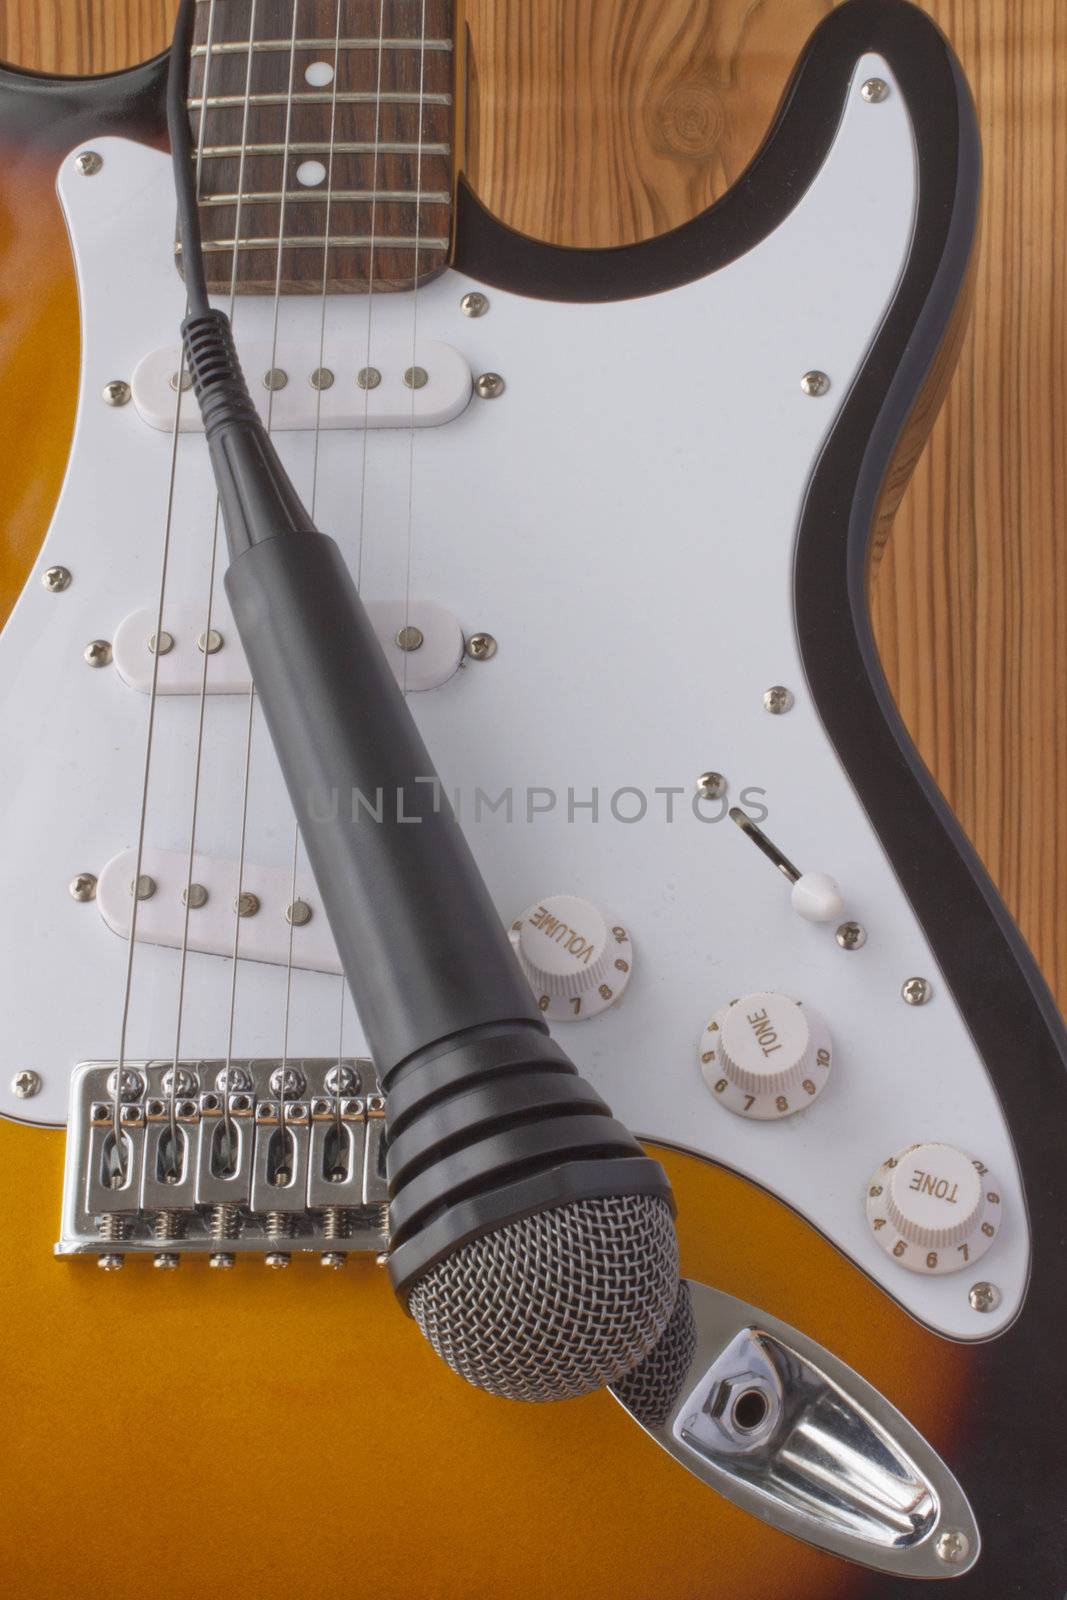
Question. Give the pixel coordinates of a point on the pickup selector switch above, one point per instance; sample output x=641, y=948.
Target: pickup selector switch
x=577, y=960
x=765, y=1055
x=934, y=1208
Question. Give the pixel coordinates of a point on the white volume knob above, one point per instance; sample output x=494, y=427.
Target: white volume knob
x=577, y=961
x=765, y=1055
x=933, y=1208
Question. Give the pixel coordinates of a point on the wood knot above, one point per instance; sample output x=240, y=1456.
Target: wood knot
x=688, y=120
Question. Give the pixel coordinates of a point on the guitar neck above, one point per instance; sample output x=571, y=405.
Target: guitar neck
x=323, y=132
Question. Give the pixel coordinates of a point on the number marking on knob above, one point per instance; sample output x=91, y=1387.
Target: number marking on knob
x=578, y=961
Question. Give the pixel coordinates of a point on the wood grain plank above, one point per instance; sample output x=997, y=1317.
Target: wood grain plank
x=594, y=122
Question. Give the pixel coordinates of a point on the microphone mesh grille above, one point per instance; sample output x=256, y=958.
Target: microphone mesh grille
x=558, y=1303
x=651, y=1389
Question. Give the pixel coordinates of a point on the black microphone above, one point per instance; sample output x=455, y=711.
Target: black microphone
x=530, y=1236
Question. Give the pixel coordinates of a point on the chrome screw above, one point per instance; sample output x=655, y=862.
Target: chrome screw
x=474, y=304
x=298, y=915
x=247, y=904
x=145, y=886
x=481, y=646
x=342, y=1080
x=368, y=377
x=166, y=1227
x=187, y=1082
x=321, y=378
x=275, y=378
x=288, y=1085
x=874, y=91
x=88, y=163
x=489, y=386
x=98, y=653
x=225, y=1226
x=56, y=579
x=161, y=644
x=83, y=887
x=410, y=638
x=116, y=393
x=815, y=384
x=984, y=1297
x=186, y=381
x=211, y=642
x=279, y=1228
x=235, y=1079
x=851, y=936
x=416, y=378
x=110, y=1263
x=953, y=1546
x=778, y=700
x=195, y=896
x=132, y=1085
x=26, y=1084
x=916, y=991
x=711, y=786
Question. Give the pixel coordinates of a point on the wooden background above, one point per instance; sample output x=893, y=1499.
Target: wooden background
x=601, y=121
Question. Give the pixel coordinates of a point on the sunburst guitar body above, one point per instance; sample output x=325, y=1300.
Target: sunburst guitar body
x=612, y=512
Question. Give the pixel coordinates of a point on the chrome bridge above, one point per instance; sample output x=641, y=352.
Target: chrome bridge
x=254, y=1159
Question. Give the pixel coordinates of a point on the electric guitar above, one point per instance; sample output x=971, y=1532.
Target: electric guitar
x=611, y=512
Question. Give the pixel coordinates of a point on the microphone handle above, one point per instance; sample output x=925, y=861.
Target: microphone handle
x=489, y=1121
x=418, y=935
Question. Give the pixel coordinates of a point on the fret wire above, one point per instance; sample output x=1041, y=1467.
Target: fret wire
x=359, y=147
x=399, y=97
x=310, y=242
x=303, y=196
x=240, y=46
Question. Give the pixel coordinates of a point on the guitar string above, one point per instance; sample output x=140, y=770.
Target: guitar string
x=201, y=711
x=414, y=347
x=207, y=634
x=315, y=464
x=120, y=1168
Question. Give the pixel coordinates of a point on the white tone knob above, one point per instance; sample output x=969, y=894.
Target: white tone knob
x=765, y=1055
x=816, y=896
x=933, y=1208
x=577, y=961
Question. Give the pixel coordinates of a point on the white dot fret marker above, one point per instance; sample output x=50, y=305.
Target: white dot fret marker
x=310, y=173
x=319, y=74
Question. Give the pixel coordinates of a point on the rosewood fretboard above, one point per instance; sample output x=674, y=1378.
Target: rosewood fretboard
x=333, y=154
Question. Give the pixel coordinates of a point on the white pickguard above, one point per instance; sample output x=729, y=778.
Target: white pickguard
x=622, y=520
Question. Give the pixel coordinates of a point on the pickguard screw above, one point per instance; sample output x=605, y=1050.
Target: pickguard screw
x=874, y=91
x=116, y=393
x=410, y=638
x=89, y=163
x=368, y=377
x=489, y=386
x=194, y=896
x=83, y=887
x=953, y=1547
x=984, y=1296
x=98, y=653
x=474, y=304
x=711, y=786
x=815, y=383
x=778, y=700
x=481, y=646
x=26, y=1084
x=56, y=579
x=211, y=642
x=851, y=936
x=161, y=644
x=275, y=378
x=247, y=904
x=186, y=382
x=145, y=886
x=916, y=991
x=416, y=378
x=321, y=378
x=298, y=915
